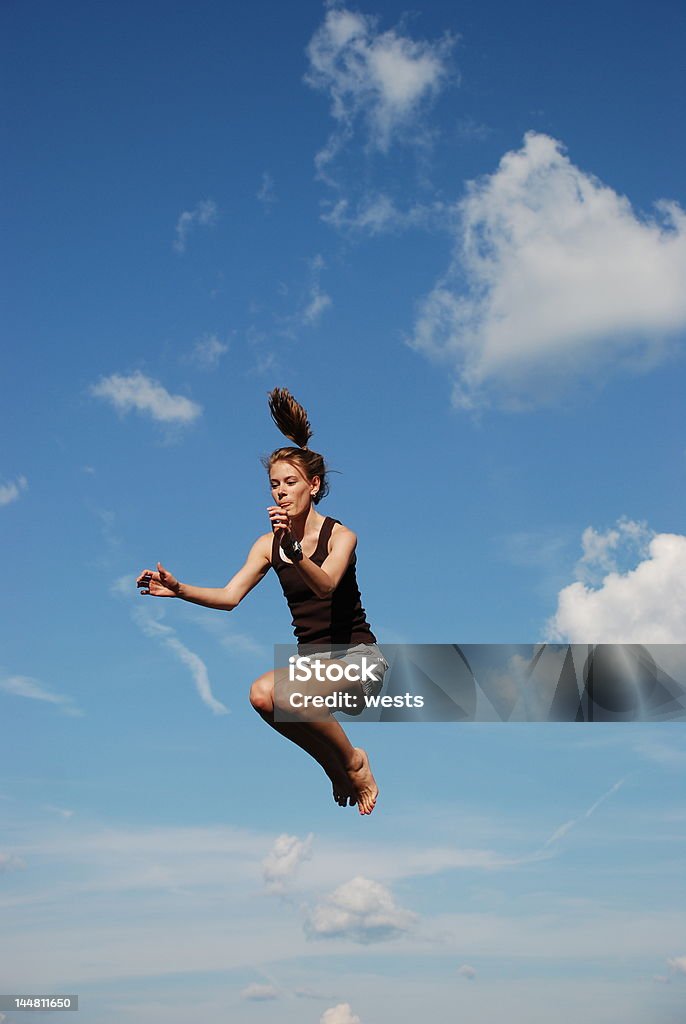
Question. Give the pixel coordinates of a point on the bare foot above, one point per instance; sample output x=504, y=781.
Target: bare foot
x=360, y=775
x=342, y=786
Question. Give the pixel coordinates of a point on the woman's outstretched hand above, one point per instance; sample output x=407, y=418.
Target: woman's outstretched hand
x=158, y=584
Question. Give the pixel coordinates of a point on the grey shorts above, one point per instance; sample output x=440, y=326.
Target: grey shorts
x=368, y=657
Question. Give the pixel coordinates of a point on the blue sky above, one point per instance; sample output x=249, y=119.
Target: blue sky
x=457, y=234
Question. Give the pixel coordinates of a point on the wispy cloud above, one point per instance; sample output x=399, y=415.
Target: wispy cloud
x=217, y=626
x=266, y=193
x=147, y=396
x=645, y=604
x=474, y=131
x=208, y=351
x=202, y=215
x=25, y=686
x=221, y=629
x=63, y=812
x=562, y=831
x=151, y=885
x=11, y=491
x=123, y=586
x=317, y=300
x=377, y=213
x=660, y=751
x=563, y=278
x=8, y=862
x=360, y=910
x=259, y=993
x=152, y=627
x=385, y=80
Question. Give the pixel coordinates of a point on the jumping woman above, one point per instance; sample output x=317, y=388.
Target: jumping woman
x=314, y=559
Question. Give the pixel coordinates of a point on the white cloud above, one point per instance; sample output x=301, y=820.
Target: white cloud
x=283, y=860
x=360, y=910
x=153, y=887
x=562, y=278
x=678, y=964
x=10, y=492
x=259, y=993
x=146, y=396
x=382, y=78
x=645, y=605
x=198, y=669
x=204, y=214
x=24, y=686
x=340, y=1014
x=465, y=971
x=207, y=352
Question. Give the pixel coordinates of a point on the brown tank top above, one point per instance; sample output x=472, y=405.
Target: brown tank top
x=336, y=619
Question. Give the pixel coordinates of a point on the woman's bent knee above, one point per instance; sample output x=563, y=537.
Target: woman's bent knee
x=261, y=695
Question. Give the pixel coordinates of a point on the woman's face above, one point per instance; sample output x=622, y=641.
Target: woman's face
x=291, y=490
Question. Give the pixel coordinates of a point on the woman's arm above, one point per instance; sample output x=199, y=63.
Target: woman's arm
x=163, y=584
x=324, y=580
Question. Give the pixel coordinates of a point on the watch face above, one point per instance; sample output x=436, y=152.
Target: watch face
x=292, y=551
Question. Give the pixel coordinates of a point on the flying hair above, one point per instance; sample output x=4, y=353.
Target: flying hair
x=291, y=419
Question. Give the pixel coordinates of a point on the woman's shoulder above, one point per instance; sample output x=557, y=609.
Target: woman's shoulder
x=264, y=544
x=339, y=530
